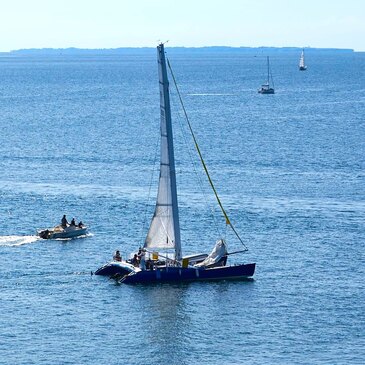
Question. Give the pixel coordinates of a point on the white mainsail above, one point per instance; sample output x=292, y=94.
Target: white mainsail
x=164, y=231
x=301, y=60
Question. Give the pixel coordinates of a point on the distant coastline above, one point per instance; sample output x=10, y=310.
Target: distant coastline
x=150, y=50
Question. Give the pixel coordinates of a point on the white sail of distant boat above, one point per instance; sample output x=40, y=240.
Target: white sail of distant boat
x=302, y=66
x=164, y=231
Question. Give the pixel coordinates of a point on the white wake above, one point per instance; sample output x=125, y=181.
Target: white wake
x=11, y=241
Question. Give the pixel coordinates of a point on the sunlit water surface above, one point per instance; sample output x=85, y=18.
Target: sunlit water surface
x=79, y=136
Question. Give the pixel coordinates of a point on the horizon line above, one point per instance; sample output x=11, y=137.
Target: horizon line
x=72, y=48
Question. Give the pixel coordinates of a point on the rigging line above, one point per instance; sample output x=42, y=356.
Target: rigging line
x=149, y=190
x=198, y=177
x=166, y=232
x=272, y=80
x=202, y=160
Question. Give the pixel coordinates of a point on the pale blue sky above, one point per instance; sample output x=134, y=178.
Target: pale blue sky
x=135, y=23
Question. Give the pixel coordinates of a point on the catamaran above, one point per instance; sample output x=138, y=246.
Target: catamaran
x=266, y=88
x=302, y=66
x=161, y=258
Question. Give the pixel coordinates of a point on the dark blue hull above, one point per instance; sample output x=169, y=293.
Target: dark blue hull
x=176, y=274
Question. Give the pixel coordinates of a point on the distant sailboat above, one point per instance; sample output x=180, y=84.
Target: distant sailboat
x=302, y=66
x=266, y=88
x=160, y=259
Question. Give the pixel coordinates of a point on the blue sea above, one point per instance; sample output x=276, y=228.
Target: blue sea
x=80, y=136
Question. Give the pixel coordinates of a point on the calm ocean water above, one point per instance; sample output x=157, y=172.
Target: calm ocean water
x=79, y=136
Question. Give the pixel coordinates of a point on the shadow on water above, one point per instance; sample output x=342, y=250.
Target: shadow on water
x=169, y=316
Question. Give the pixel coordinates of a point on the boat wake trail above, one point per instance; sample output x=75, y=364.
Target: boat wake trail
x=12, y=241
x=210, y=94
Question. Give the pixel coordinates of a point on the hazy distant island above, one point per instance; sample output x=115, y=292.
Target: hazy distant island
x=150, y=50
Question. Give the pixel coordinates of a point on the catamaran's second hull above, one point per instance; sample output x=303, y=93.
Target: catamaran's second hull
x=114, y=268
x=176, y=274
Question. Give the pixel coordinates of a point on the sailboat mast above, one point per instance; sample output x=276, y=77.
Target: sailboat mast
x=268, y=72
x=167, y=146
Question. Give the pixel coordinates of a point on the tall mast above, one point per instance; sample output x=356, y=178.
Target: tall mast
x=164, y=231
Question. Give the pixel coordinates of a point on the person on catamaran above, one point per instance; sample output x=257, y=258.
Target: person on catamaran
x=73, y=223
x=64, y=222
x=80, y=224
x=117, y=256
x=142, y=260
x=135, y=261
